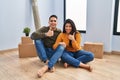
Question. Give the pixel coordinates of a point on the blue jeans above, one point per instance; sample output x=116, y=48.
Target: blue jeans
x=74, y=58
x=48, y=53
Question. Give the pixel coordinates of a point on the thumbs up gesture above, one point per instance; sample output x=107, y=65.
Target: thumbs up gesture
x=50, y=32
x=71, y=37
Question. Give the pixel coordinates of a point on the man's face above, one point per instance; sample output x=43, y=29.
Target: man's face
x=52, y=22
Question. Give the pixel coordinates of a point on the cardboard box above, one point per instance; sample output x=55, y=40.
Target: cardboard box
x=26, y=40
x=96, y=48
x=27, y=50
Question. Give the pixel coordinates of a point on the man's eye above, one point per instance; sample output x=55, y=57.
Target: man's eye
x=53, y=21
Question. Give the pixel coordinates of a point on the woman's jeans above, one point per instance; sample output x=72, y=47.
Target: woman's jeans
x=74, y=58
x=48, y=53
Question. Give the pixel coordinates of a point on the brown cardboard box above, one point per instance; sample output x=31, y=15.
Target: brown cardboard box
x=26, y=40
x=27, y=50
x=96, y=48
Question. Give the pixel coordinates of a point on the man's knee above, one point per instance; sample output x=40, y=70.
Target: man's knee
x=60, y=47
x=38, y=41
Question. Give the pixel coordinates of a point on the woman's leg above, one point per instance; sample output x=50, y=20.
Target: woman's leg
x=68, y=58
x=84, y=56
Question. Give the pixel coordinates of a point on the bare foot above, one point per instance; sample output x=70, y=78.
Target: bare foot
x=90, y=69
x=66, y=65
x=47, y=62
x=52, y=69
x=42, y=71
x=85, y=66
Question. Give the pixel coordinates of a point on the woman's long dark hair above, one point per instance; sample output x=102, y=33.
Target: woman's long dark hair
x=73, y=28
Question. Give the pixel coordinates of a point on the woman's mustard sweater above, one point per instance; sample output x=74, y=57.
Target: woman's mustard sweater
x=63, y=37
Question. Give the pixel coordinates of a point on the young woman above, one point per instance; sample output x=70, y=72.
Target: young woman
x=73, y=53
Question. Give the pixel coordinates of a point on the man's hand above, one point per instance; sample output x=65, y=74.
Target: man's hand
x=49, y=33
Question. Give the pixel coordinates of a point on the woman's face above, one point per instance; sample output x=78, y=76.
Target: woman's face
x=68, y=28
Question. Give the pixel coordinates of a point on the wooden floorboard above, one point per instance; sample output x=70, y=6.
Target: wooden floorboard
x=14, y=68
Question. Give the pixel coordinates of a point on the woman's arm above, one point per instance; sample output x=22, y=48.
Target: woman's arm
x=58, y=41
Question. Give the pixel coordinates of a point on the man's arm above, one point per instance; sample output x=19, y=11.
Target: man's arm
x=39, y=34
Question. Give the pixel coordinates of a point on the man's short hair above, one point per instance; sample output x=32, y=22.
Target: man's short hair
x=53, y=16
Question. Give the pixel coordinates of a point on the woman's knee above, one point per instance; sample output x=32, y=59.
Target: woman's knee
x=91, y=56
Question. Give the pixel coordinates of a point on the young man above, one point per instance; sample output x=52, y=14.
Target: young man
x=44, y=39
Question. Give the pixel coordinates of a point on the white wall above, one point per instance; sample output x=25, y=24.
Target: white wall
x=58, y=9
x=99, y=19
x=15, y=15
x=100, y=24
x=46, y=8
x=116, y=43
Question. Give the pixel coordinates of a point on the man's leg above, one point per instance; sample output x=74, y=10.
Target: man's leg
x=49, y=52
x=41, y=50
x=56, y=55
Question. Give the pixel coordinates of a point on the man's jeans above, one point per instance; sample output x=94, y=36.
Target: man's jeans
x=74, y=58
x=48, y=53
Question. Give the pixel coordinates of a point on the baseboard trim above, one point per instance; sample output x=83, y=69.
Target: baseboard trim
x=7, y=50
x=107, y=52
x=116, y=52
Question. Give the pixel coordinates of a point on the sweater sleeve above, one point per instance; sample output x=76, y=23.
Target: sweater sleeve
x=59, y=39
x=77, y=42
x=39, y=34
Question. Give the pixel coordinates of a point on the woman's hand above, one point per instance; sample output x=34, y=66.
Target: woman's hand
x=71, y=37
x=63, y=44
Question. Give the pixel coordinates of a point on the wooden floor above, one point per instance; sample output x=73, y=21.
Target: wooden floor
x=14, y=68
